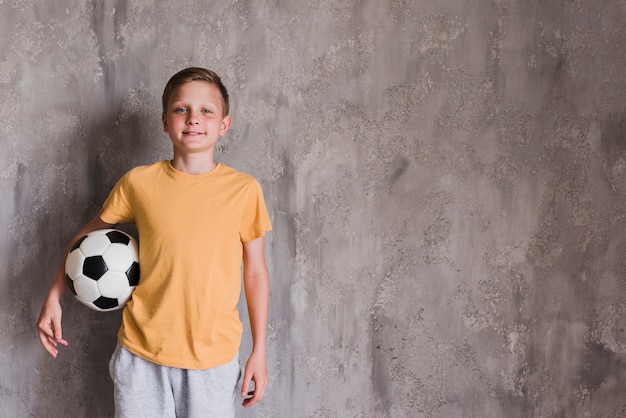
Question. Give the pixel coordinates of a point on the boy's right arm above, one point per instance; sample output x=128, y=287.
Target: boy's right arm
x=49, y=322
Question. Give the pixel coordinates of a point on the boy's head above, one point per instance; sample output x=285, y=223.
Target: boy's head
x=195, y=74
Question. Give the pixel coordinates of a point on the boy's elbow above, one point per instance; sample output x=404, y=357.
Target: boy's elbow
x=260, y=274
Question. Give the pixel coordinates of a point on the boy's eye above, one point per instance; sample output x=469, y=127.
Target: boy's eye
x=207, y=111
x=180, y=110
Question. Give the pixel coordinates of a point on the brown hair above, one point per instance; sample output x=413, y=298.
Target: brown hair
x=195, y=74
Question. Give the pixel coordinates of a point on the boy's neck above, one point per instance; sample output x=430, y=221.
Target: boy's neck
x=193, y=165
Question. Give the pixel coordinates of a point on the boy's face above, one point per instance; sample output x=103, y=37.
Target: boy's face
x=193, y=118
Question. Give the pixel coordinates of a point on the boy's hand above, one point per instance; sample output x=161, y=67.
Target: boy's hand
x=255, y=371
x=49, y=327
x=49, y=322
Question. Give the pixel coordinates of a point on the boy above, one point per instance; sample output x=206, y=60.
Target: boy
x=177, y=352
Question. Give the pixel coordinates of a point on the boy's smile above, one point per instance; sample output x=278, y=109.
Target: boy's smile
x=193, y=118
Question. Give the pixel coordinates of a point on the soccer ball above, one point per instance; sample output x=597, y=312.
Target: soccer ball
x=102, y=269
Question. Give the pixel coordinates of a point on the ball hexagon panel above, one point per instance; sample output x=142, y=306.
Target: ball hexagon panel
x=74, y=264
x=117, y=257
x=86, y=289
x=95, y=245
x=111, y=284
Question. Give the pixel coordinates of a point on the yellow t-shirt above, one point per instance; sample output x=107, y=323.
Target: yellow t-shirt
x=184, y=312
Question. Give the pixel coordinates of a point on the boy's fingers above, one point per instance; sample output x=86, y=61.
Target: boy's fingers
x=258, y=393
x=56, y=327
x=45, y=331
x=48, y=343
x=254, y=396
x=245, y=387
x=51, y=335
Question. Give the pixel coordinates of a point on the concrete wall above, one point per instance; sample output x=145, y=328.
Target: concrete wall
x=446, y=180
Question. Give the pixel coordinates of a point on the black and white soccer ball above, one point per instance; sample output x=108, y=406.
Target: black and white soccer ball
x=102, y=269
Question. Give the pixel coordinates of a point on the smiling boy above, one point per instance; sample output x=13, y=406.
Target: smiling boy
x=198, y=220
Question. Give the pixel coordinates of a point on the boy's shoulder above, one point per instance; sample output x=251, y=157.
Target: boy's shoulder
x=227, y=170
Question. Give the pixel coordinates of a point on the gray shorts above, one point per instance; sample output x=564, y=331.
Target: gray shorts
x=146, y=389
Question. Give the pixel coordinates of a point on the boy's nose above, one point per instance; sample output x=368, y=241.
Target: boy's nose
x=193, y=119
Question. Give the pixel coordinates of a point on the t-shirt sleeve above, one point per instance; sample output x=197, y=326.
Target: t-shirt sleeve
x=117, y=207
x=255, y=220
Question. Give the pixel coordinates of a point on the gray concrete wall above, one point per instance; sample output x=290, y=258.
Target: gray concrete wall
x=446, y=181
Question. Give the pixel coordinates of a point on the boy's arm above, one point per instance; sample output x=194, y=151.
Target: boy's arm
x=49, y=322
x=257, y=288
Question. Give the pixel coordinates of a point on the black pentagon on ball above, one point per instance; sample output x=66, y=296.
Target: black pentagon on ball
x=133, y=274
x=94, y=267
x=118, y=237
x=105, y=303
x=70, y=283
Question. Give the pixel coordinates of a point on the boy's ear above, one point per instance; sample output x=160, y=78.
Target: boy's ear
x=164, y=119
x=225, y=125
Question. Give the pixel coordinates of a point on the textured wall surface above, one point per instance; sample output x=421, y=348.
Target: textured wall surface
x=446, y=178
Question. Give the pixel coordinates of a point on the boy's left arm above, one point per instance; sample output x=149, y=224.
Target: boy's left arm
x=257, y=288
